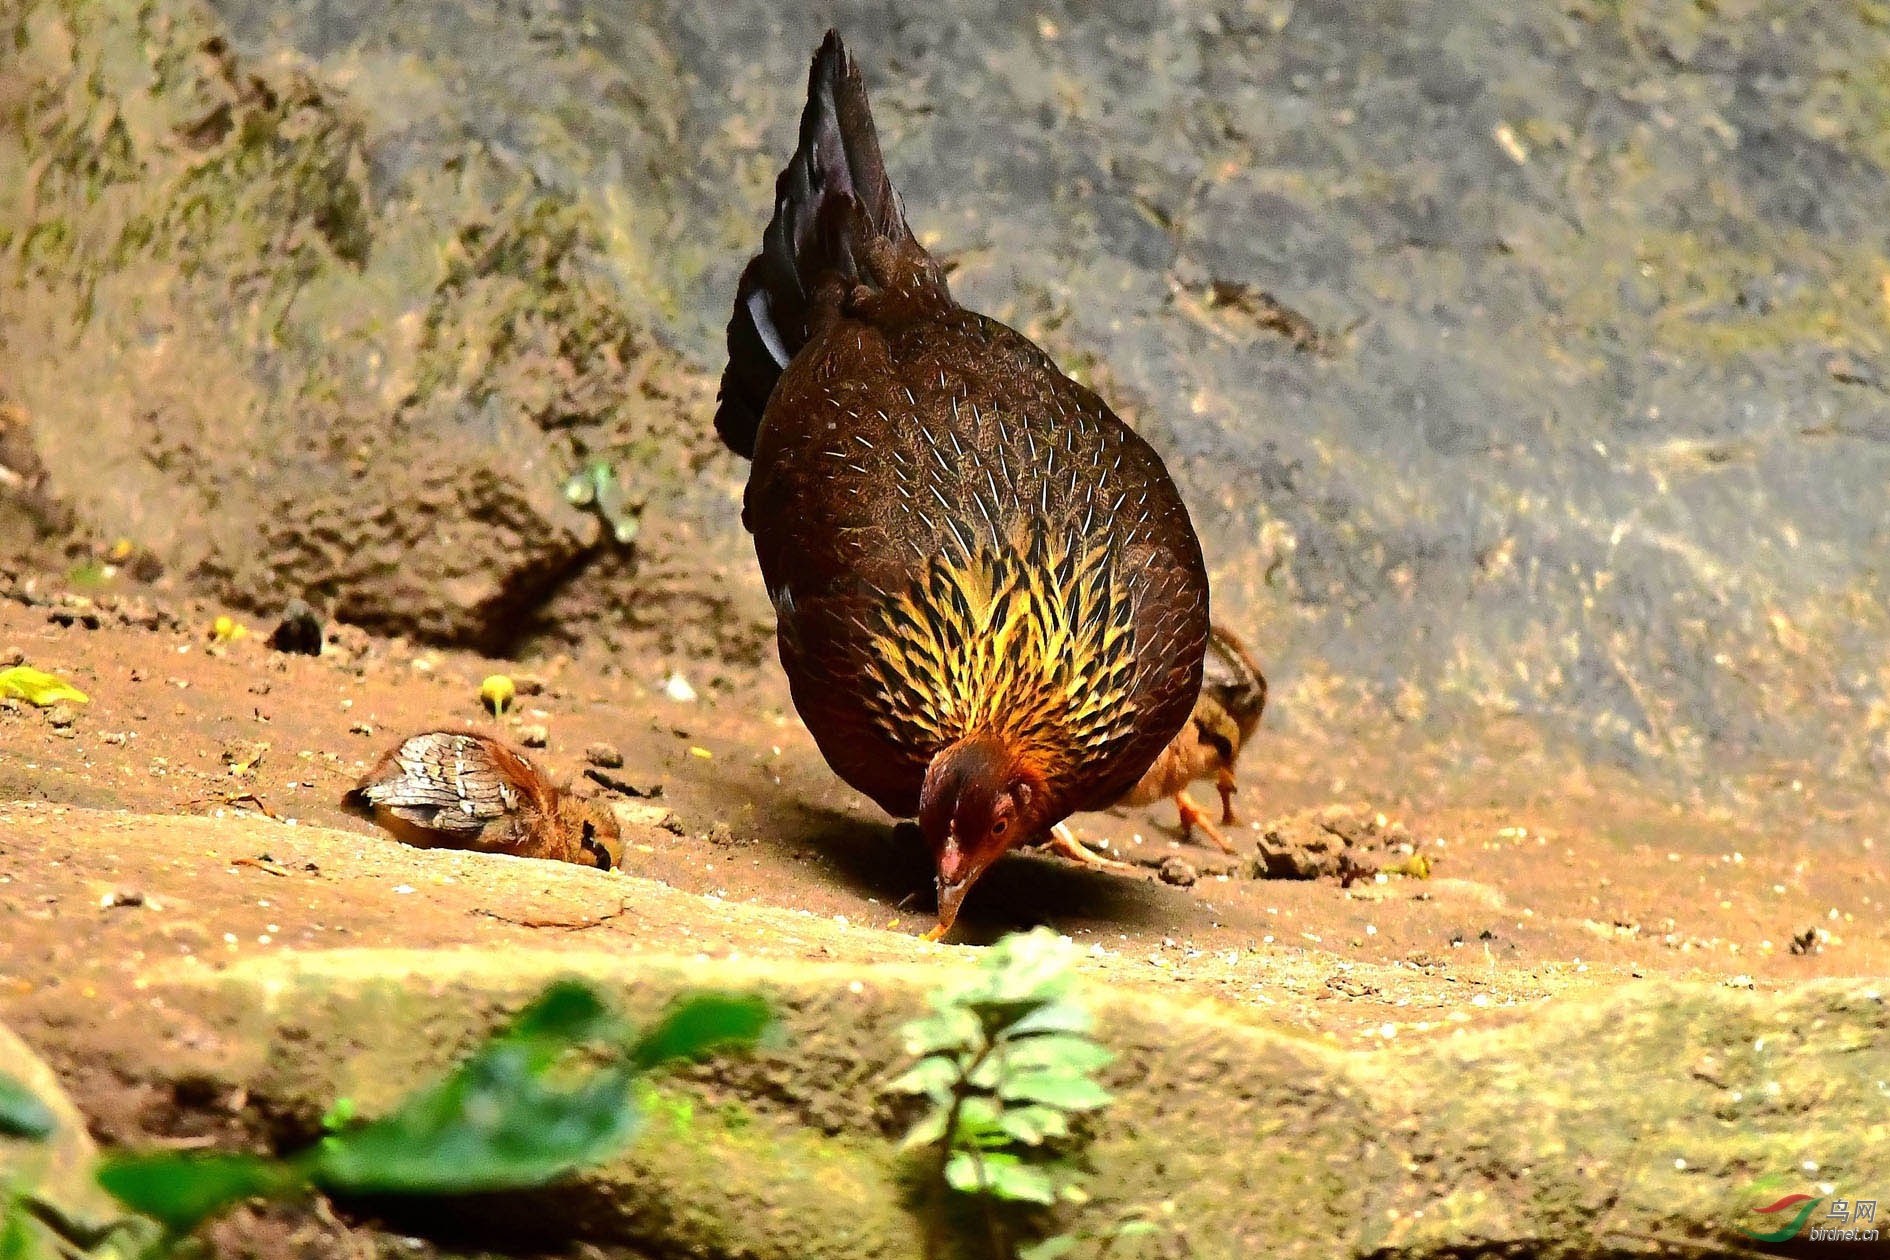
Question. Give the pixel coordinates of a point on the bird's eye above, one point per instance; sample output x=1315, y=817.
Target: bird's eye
x=590, y=831
x=1001, y=826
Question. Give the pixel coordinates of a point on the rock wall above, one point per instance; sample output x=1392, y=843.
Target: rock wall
x=1520, y=361
x=289, y=372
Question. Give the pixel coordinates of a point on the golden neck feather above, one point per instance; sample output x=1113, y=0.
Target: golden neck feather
x=1035, y=646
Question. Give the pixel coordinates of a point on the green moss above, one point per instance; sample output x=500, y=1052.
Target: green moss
x=1700, y=281
x=1697, y=289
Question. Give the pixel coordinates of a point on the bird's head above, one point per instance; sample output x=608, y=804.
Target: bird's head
x=593, y=827
x=979, y=799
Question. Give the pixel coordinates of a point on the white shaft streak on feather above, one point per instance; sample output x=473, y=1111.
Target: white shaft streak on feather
x=988, y=518
x=931, y=444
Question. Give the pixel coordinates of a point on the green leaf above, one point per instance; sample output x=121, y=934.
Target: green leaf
x=1136, y=1229
x=934, y=1076
x=979, y=1124
x=340, y=1115
x=22, y=1114
x=952, y=1029
x=15, y=1242
x=497, y=1123
x=1019, y=1182
x=18, y=1240
x=514, y=1114
x=1056, y=1089
x=567, y=1011
x=1056, y=1052
x=1051, y=1017
x=701, y=1024
x=1022, y=970
x=38, y=688
x=180, y=1189
x=1051, y=1248
x=962, y=1172
x=1001, y=1176
x=1033, y=1125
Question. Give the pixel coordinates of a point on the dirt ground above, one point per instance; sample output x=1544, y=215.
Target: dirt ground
x=1537, y=885
x=191, y=811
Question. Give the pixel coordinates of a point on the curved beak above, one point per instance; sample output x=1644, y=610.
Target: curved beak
x=951, y=895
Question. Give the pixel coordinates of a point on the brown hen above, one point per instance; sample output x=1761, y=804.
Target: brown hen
x=990, y=602
x=464, y=790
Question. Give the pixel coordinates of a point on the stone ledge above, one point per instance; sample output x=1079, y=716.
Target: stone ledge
x=1621, y=1124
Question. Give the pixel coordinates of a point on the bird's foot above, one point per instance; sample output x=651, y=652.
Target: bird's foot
x=1064, y=841
x=1228, y=788
x=936, y=933
x=1191, y=817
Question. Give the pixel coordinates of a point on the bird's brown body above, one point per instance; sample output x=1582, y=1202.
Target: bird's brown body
x=991, y=604
x=464, y=790
x=1226, y=714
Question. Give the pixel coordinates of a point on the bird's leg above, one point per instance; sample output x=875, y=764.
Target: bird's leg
x=1228, y=788
x=1064, y=841
x=936, y=932
x=1191, y=816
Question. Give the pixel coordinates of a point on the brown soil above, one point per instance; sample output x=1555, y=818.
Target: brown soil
x=1535, y=886
x=219, y=768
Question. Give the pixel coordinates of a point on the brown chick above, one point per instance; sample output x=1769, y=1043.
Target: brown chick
x=990, y=602
x=464, y=790
x=1233, y=695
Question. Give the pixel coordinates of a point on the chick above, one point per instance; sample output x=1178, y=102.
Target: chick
x=1233, y=695
x=463, y=790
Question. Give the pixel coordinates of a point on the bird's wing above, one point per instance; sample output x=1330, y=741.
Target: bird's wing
x=447, y=781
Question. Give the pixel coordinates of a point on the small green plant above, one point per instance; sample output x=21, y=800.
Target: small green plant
x=1007, y=1064
x=597, y=486
x=89, y=572
x=553, y=1092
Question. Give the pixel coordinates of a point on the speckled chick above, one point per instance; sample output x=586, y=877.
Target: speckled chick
x=1226, y=714
x=465, y=790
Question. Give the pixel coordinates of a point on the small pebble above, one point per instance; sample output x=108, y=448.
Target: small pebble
x=605, y=755
x=61, y=716
x=677, y=688
x=11, y=657
x=361, y=728
x=1179, y=872
x=534, y=736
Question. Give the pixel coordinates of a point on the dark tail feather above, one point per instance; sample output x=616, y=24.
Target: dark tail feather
x=831, y=200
